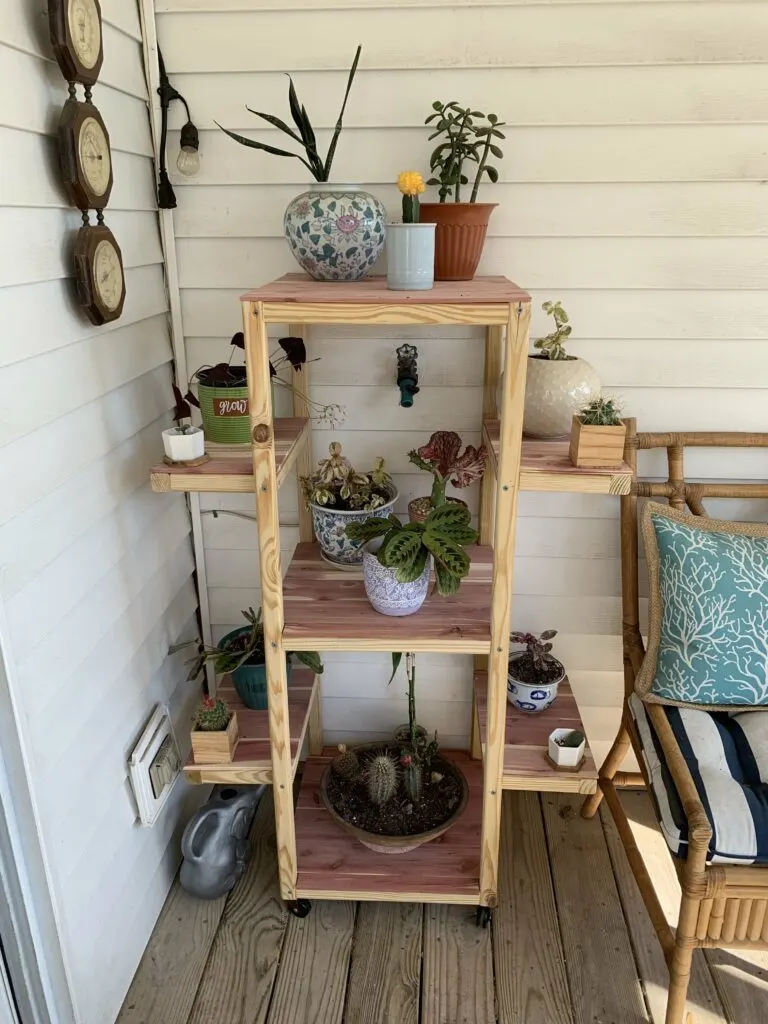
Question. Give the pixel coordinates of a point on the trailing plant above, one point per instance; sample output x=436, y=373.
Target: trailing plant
x=249, y=650
x=319, y=169
x=346, y=764
x=444, y=534
x=212, y=715
x=337, y=484
x=292, y=353
x=381, y=778
x=469, y=138
x=442, y=457
x=551, y=345
x=538, y=649
x=411, y=184
x=181, y=412
x=601, y=412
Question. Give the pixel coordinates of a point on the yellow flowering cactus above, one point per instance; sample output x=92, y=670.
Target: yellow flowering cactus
x=411, y=184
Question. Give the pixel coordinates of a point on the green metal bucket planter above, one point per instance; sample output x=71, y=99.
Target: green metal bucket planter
x=225, y=414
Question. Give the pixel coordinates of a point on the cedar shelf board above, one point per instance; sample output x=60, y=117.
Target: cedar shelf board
x=326, y=609
x=253, y=757
x=230, y=467
x=300, y=288
x=334, y=865
x=525, y=749
x=547, y=466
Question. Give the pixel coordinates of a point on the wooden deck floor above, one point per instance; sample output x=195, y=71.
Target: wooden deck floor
x=570, y=944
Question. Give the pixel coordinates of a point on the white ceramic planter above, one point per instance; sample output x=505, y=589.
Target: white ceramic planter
x=387, y=595
x=565, y=757
x=556, y=390
x=184, y=447
x=531, y=697
x=410, y=257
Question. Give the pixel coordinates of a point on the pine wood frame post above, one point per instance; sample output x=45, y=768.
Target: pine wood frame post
x=300, y=383
x=507, y=488
x=265, y=480
x=494, y=340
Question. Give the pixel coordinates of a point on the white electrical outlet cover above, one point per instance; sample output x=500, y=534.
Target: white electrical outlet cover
x=157, y=729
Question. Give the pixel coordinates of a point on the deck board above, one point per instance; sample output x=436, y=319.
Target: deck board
x=457, y=983
x=385, y=973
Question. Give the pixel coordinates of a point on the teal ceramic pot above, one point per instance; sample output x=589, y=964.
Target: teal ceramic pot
x=410, y=257
x=336, y=232
x=250, y=681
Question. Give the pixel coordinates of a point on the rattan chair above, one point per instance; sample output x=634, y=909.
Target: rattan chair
x=722, y=905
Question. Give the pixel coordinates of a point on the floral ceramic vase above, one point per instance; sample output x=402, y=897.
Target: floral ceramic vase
x=336, y=232
x=385, y=592
x=556, y=390
x=331, y=531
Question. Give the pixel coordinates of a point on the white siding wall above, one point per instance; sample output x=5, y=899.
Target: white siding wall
x=632, y=189
x=96, y=571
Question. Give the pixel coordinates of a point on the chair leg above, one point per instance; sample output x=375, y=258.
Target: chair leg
x=611, y=765
x=682, y=957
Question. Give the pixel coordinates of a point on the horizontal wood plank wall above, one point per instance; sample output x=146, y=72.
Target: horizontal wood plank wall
x=632, y=189
x=95, y=569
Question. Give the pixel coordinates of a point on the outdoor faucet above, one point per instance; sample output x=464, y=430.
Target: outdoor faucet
x=407, y=374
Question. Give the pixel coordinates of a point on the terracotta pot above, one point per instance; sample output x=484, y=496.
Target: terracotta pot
x=459, y=237
x=398, y=844
x=419, y=508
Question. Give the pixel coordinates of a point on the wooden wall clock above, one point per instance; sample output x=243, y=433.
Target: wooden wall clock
x=75, y=27
x=100, y=277
x=86, y=159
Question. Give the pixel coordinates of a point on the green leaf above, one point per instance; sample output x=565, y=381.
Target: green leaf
x=449, y=555
x=411, y=572
x=311, y=659
x=449, y=515
x=276, y=123
x=397, y=657
x=337, y=129
x=492, y=118
x=447, y=583
x=401, y=550
x=253, y=144
x=497, y=152
x=492, y=173
x=374, y=526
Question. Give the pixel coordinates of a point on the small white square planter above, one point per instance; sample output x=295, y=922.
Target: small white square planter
x=184, y=447
x=569, y=758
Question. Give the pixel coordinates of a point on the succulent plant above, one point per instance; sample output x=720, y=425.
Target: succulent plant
x=413, y=778
x=572, y=739
x=442, y=457
x=381, y=778
x=469, y=136
x=337, y=484
x=346, y=764
x=444, y=534
x=538, y=648
x=250, y=650
x=601, y=412
x=212, y=715
x=551, y=345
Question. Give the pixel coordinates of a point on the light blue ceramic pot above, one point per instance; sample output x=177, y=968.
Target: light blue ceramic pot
x=385, y=592
x=336, y=232
x=410, y=257
x=532, y=698
x=331, y=531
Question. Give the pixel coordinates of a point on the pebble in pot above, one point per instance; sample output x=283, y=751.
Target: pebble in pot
x=534, y=674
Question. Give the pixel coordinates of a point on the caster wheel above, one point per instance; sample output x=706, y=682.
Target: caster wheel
x=483, y=917
x=299, y=908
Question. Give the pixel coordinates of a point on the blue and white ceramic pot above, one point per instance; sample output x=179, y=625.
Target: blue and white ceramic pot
x=385, y=592
x=531, y=697
x=331, y=531
x=410, y=257
x=336, y=232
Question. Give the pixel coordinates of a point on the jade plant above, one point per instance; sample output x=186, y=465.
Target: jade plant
x=552, y=346
x=469, y=137
x=444, y=534
x=337, y=484
x=212, y=715
x=319, y=168
x=247, y=648
x=601, y=412
x=443, y=458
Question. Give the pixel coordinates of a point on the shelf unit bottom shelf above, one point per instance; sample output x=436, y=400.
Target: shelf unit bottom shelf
x=332, y=865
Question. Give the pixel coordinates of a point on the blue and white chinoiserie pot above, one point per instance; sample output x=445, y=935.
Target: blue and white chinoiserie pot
x=336, y=232
x=384, y=590
x=331, y=524
x=531, y=697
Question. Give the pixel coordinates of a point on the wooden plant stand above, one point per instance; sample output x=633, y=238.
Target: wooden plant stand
x=319, y=608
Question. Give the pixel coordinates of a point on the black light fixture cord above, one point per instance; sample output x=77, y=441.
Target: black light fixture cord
x=166, y=197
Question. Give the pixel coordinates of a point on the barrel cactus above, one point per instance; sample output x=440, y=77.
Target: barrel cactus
x=346, y=764
x=212, y=715
x=381, y=778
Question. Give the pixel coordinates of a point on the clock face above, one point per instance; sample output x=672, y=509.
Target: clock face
x=108, y=274
x=85, y=30
x=93, y=150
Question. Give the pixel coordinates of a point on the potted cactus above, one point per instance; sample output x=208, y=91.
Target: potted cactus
x=397, y=559
x=396, y=795
x=597, y=435
x=535, y=673
x=410, y=245
x=339, y=496
x=183, y=443
x=214, y=732
x=468, y=137
x=558, y=385
x=443, y=458
x=241, y=653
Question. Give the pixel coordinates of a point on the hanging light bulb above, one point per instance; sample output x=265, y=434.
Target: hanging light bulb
x=188, y=161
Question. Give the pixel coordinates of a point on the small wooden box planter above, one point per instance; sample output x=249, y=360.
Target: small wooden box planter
x=215, y=747
x=596, y=447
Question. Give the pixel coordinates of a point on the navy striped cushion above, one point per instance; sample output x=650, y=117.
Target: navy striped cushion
x=727, y=756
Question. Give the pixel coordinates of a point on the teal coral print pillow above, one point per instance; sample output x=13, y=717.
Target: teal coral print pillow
x=708, y=611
